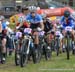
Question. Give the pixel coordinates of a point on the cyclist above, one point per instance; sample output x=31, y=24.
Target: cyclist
x=47, y=27
x=4, y=40
x=67, y=20
x=9, y=39
x=21, y=20
x=36, y=22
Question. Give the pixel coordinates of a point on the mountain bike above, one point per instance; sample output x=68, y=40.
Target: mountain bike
x=25, y=47
x=68, y=41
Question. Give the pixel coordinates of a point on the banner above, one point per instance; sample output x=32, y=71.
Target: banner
x=54, y=12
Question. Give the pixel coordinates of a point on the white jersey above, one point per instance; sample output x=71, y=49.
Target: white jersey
x=9, y=31
x=59, y=33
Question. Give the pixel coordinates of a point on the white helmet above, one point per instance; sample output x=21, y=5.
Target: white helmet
x=32, y=8
x=38, y=8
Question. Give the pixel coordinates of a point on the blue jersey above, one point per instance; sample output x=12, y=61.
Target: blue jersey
x=69, y=22
x=4, y=25
x=34, y=20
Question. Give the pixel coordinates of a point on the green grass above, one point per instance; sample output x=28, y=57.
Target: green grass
x=59, y=62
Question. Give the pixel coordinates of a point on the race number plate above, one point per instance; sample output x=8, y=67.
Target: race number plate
x=27, y=30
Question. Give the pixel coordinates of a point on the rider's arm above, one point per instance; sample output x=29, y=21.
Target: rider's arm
x=20, y=20
x=41, y=22
x=4, y=25
x=50, y=25
x=0, y=27
x=62, y=22
x=28, y=18
x=42, y=25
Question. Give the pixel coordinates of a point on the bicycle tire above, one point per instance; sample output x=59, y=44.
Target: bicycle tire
x=67, y=49
x=48, y=53
x=23, y=55
x=35, y=56
x=57, y=47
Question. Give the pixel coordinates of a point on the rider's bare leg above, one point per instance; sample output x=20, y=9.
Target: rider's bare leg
x=48, y=39
x=61, y=42
x=4, y=46
x=36, y=40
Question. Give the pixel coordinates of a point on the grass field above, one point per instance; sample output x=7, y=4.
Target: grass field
x=56, y=64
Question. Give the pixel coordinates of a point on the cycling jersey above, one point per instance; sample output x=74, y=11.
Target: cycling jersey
x=34, y=22
x=47, y=26
x=4, y=30
x=69, y=22
x=4, y=25
x=37, y=19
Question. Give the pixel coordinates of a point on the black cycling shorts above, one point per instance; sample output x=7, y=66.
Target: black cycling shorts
x=34, y=26
x=4, y=35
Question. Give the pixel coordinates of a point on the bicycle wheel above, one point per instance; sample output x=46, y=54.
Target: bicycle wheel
x=23, y=59
x=40, y=50
x=17, y=55
x=23, y=54
x=52, y=45
x=57, y=46
x=67, y=48
x=73, y=49
x=48, y=52
x=35, y=55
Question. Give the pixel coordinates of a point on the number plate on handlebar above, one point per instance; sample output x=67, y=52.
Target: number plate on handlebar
x=18, y=34
x=41, y=33
x=68, y=28
x=27, y=30
x=57, y=33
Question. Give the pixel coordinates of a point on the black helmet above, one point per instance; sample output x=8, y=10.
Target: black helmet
x=24, y=8
x=66, y=13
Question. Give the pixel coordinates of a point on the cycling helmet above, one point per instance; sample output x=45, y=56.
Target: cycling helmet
x=66, y=13
x=32, y=8
x=24, y=8
x=38, y=8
